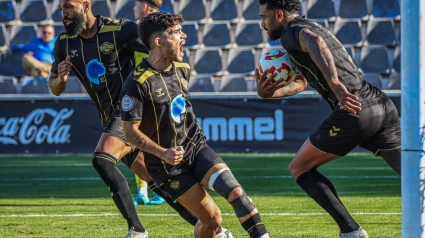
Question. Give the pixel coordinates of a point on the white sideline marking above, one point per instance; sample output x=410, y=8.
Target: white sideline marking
x=174, y=215
x=238, y=177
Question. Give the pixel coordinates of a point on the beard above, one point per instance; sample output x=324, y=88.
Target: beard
x=76, y=26
x=275, y=34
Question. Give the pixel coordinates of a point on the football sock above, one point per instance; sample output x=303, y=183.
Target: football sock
x=393, y=158
x=183, y=212
x=105, y=165
x=255, y=226
x=323, y=192
x=142, y=186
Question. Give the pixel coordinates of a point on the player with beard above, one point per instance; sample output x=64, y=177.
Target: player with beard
x=362, y=114
x=159, y=120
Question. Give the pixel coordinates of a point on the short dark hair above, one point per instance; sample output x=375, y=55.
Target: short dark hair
x=154, y=3
x=290, y=6
x=157, y=22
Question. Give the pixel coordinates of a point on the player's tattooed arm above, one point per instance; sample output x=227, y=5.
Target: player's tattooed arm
x=267, y=87
x=322, y=56
x=297, y=86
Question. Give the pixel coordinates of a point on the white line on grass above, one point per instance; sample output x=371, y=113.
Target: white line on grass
x=288, y=214
x=239, y=177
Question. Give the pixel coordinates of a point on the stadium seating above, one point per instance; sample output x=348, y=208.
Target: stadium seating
x=33, y=11
x=186, y=56
x=3, y=35
x=250, y=10
x=396, y=62
x=353, y=9
x=348, y=31
x=394, y=81
x=191, y=30
x=167, y=6
x=249, y=33
x=73, y=85
x=22, y=34
x=241, y=61
x=36, y=86
x=7, y=86
x=56, y=12
x=11, y=65
x=203, y=83
x=224, y=10
x=374, y=59
x=192, y=10
x=208, y=61
x=216, y=34
x=380, y=32
x=374, y=79
x=320, y=9
x=100, y=7
x=59, y=28
x=233, y=83
x=7, y=12
x=386, y=8
x=124, y=9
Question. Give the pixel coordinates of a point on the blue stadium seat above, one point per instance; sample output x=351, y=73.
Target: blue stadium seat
x=353, y=9
x=208, y=61
x=374, y=79
x=167, y=6
x=100, y=7
x=59, y=28
x=320, y=9
x=394, y=82
x=36, y=86
x=7, y=12
x=396, y=62
x=191, y=30
x=386, y=8
x=248, y=33
x=33, y=11
x=241, y=61
x=124, y=9
x=380, y=32
x=233, y=83
x=348, y=31
x=22, y=34
x=216, y=34
x=192, y=10
x=73, y=85
x=3, y=35
x=56, y=13
x=7, y=86
x=202, y=83
x=224, y=10
x=11, y=65
x=251, y=10
x=374, y=59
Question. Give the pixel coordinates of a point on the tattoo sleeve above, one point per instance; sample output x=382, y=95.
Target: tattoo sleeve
x=140, y=140
x=297, y=86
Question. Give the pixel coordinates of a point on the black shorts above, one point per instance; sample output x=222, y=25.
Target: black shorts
x=376, y=127
x=115, y=129
x=191, y=172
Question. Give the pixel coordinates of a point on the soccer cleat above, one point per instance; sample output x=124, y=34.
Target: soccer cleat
x=134, y=234
x=224, y=234
x=156, y=200
x=360, y=233
x=140, y=199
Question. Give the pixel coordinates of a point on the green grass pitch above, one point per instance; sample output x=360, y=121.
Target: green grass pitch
x=62, y=196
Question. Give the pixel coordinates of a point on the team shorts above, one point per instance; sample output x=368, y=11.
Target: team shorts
x=115, y=129
x=376, y=127
x=191, y=172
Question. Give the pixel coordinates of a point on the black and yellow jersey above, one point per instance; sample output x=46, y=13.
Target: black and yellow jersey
x=348, y=73
x=102, y=63
x=160, y=100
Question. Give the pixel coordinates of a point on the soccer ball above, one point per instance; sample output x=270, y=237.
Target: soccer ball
x=278, y=61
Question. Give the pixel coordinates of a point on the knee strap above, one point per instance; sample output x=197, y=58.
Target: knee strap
x=223, y=182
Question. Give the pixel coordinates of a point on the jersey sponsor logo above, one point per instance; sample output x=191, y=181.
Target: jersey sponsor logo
x=243, y=128
x=33, y=128
x=178, y=108
x=159, y=92
x=175, y=185
x=95, y=71
x=126, y=103
x=74, y=53
x=106, y=48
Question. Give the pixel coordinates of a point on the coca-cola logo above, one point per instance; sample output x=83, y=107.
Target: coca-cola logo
x=33, y=128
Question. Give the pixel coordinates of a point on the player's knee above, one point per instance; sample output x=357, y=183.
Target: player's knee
x=294, y=170
x=103, y=159
x=223, y=182
x=235, y=194
x=213, y=222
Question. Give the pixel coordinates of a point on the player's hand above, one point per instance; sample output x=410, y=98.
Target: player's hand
x=173, y=155
x=266, y=86
x=64, y=68
x=348, y=101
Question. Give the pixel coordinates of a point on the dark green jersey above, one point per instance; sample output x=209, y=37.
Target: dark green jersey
x=160, y=100
x=103, y=62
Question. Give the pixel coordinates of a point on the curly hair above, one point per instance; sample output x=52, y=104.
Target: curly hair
x=157, y=22
x=290, y=6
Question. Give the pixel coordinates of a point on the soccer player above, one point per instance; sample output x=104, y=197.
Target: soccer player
x=159, y=120
x=362, y=114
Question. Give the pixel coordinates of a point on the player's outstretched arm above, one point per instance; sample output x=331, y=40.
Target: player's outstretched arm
x=172, y=156
x=57, y=83
x=269, y=88
x=322, y=57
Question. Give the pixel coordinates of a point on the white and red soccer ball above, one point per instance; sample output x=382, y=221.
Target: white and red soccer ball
x=278, y=61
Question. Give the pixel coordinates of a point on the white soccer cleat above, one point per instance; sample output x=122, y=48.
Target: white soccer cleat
x=224, y=234
x=134, y=234
x=360, y=233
